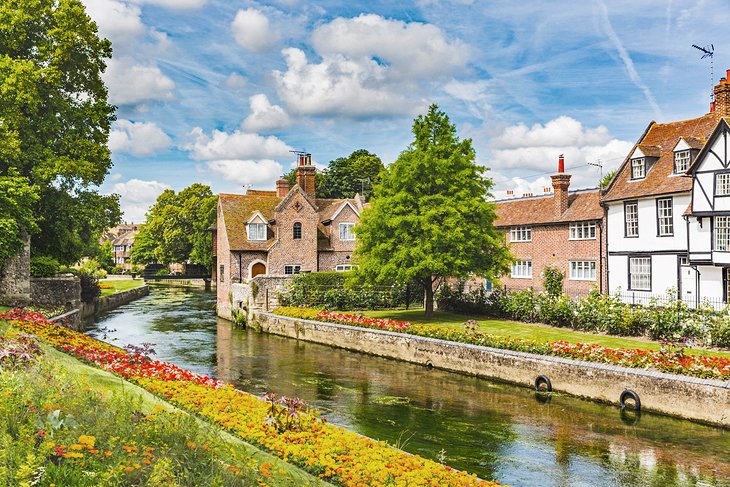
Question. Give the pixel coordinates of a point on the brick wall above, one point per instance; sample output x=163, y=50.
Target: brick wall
x=550, y=246
x=286, y=250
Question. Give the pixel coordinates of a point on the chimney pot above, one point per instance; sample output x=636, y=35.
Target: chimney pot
x=727, y=73
x=561, y=163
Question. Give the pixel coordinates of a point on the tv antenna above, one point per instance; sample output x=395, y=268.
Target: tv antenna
x=246, y=187
x=709, y=51
x=599, y=165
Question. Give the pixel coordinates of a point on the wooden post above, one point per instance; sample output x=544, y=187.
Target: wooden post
x=267, y=300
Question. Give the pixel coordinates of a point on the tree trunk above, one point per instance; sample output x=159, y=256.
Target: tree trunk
x=428, y=303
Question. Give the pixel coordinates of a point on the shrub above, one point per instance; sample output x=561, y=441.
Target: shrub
x=42, y=266
x=90, y=289
x=116, y=270
x=522, y=305
x=556, y=310
x=720, y=333
x=668, y=319
x=163, y=272
x=552, y=281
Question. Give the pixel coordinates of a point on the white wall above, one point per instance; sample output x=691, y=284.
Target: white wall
x=647, y=239
x=699, y=238
x=617, y=273
x=710, y=282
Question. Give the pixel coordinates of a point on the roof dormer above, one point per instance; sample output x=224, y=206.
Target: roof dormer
x=256, y=228
x=685, y=152
x=642, y=160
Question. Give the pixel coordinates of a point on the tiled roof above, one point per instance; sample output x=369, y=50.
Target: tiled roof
x=582, y=205
x=238, y=210
x=661, y=178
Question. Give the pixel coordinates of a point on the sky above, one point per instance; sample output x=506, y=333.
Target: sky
x=219, y=92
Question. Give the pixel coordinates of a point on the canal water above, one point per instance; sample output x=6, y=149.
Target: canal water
x=495, y=430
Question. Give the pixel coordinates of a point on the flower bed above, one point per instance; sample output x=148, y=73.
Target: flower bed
x=673, y=362
x=333, y=453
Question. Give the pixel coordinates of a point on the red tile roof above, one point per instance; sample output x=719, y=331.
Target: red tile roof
x=660, y=179
x=582, y=205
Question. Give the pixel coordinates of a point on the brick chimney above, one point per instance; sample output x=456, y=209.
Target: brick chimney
x=721, y=105
x=561, y=182
x=306, y=173
x=282, y=187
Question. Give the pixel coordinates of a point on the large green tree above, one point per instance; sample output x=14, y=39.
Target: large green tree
x=55, y=120
x=17, y=198
x=430, y=217
x=176, y=228
x=346, y=176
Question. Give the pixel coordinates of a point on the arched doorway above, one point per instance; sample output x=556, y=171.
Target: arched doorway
x=258, y=268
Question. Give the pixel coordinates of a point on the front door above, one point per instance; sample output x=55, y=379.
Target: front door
x=258, y=268
x=687, y=282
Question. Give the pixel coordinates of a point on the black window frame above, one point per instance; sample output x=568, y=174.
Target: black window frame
x=628, y=273
x=627, y=203
x=296, y=231
x=671, y=220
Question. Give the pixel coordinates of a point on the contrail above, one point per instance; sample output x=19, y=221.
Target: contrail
x=628, y=63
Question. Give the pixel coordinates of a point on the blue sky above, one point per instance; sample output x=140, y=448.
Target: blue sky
x=219, y=92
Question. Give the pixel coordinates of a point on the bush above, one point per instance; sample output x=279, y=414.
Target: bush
x=90, y=289
x=552, y=281
x=556, y=310
x=42, y=266
x=522, y=305
x=720, y=333
x=163, y=272
x=116, y=270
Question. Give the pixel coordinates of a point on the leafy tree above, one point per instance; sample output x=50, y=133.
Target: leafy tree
x=606, y=179
x=429, y=217
x=17, y=198
x=347, y=176
x=176, y=228
x=55, y=120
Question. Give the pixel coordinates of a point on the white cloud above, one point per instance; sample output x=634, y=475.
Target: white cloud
x=175, y=4
x=137, y=196
x=264, y=115
x=137, y=138
x=130, y=83
x=252, y=30
x=235, y=146
x=247, y=171
x=235, y=82
x=369, y=66
x=118, y=21
x=559, y=132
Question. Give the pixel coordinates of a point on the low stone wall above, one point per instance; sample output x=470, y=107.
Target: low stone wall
x=103, y=304
x=691, y=398
x=50, y=292
x=15, y=277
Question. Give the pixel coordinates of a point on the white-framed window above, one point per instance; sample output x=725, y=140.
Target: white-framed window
x=722, y=233
x=722, y=184
x=684, y=261
x=681, y=161
x=292, y=269
x=640, y=273
x=346, y=231
x=343, y=267
x=631, y=218
x=520, y=234
x=119, y=248
x=583, y=231
x=638, y=168
x=522, y=269
x=665, y=222
x=583, y=270
x=257, y=231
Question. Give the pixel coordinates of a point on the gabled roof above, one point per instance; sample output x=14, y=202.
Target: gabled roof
x=238, y=209
x=649, y=150
x=296, y=189
x=719, y=128
x=660, y=179
x=540, y=210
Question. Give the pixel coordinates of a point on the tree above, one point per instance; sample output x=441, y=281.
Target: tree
x=17, y=198
x=347, y=176
x=606, y=179
x=430, y=217
x=55, y=120
x=176, y=228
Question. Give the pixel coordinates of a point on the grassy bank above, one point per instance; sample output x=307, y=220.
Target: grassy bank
x=111, y=286
x=527, y=330
x=83, y=426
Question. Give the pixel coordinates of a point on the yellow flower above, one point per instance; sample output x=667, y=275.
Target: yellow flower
x=87, y=441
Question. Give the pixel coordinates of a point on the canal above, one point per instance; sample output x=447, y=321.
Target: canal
x=495, y=430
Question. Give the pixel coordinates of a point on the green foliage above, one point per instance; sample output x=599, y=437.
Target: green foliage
x=42, y=266
x=552, y=281
x=56, y=122
x=90, y=289
x=606, y=179
x=17, y=198
x=429, y=217
x=176, y=228
x=105, y=256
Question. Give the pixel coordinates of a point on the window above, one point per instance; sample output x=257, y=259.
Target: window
x=665, y=223
x=292, y=269
x=346, y=232
x=684, y=261
x=583, y=270
x=638, y=168
x=520, y=234
x=220, y=273
x=583, y=231
x=640, y=273
x=722, y=184
x=722, y=233
x=522, y=269
x=257, y=231
x=681, y=161
x=631, y=219
x=343, y=267
x=297, y=231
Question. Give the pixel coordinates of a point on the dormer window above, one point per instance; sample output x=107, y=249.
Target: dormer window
x=638, y=168
x=681, y=161
x=257, y=232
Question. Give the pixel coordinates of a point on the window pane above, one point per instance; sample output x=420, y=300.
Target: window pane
x=640, y=273
x=681, y=161
x=638, y=168
x=297, y=231
x=722, y=233
x=723, y=184
x=631, y=218
x=664, y=216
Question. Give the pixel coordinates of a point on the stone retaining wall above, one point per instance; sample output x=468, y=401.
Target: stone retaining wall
x=691, y=398
x=103, y=304
x=51, y=292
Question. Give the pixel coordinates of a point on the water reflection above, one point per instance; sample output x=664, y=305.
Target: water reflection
x=493, y=429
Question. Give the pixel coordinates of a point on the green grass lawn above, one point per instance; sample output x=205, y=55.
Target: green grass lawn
x=120, y=285
x=526, y=330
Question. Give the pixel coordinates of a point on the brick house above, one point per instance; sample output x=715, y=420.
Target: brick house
x=122, y=240
x=563, y=229
x=282, y=232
